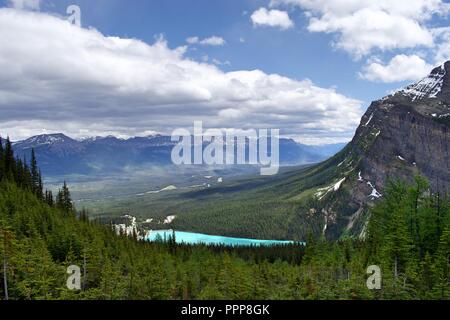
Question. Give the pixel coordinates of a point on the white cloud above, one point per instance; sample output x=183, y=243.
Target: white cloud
x=364, y=25
x=25, y=4
x=59, y=77
x=231, y=113
x=211, y=41
x=271, y=18
x=400, y=68
x=442, y=50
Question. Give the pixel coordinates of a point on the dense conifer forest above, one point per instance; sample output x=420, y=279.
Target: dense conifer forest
x=408, y=237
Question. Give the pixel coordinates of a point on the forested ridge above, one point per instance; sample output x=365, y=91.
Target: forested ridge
x=408, y=237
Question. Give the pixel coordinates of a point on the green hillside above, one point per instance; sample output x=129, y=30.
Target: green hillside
x=408, y=237
x=281, y=207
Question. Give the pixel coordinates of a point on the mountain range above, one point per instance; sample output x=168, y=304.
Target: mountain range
x=59, y=154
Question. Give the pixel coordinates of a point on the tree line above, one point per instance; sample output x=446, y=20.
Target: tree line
x=27, y=176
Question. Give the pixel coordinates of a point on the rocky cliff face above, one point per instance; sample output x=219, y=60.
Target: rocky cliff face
x=408, y=133
x=400, y=136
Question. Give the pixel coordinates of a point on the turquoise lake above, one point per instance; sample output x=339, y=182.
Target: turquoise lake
x=198, y=238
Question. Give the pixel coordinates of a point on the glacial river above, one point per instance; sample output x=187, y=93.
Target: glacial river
x=198, y=238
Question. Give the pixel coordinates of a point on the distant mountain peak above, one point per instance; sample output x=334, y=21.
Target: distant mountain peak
x=53, y=138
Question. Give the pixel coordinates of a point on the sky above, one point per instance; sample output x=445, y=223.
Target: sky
x=133, y=68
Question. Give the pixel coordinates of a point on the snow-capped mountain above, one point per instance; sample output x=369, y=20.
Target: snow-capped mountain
x=45, y=139
x=429, y=87
x=400, y=136
x=411, y=128
x=58, y=154
x=59, y=144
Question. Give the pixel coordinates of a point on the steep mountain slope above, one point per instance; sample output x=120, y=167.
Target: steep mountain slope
x=400, y=136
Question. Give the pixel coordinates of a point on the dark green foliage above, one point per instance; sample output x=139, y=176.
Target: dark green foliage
x=27, y=177
x=408, y=237
x=36, y=180
x=49, y=198
x=63, y=200
x=9, y=165
x=277, y=207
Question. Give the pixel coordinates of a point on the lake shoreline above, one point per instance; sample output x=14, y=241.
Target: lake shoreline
x=192, y=238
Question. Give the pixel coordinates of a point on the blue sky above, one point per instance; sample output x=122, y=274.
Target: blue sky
x=295, y=53
x=357, y=50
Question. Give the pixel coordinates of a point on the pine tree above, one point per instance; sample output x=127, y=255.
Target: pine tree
x=40, y=190
x=67, y=199
x=49, y=198
x=415, y=197
x=9, y=161
x=84, y=215
x=2, y=160
x=35, y=176
x=64, y=200
x=442, y=268
x=60, y=199
x=20, y=178
x=6, y=238
x=27, y=176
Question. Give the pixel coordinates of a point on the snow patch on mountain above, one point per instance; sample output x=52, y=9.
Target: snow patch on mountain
x=337, y=186
x=428, y=87
x=375, y=194
x=169, y=188
x=322, y=192
x=169, y=219
x=370, y=119
x=360, y=179
x=45, y=139
x=325, y=226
